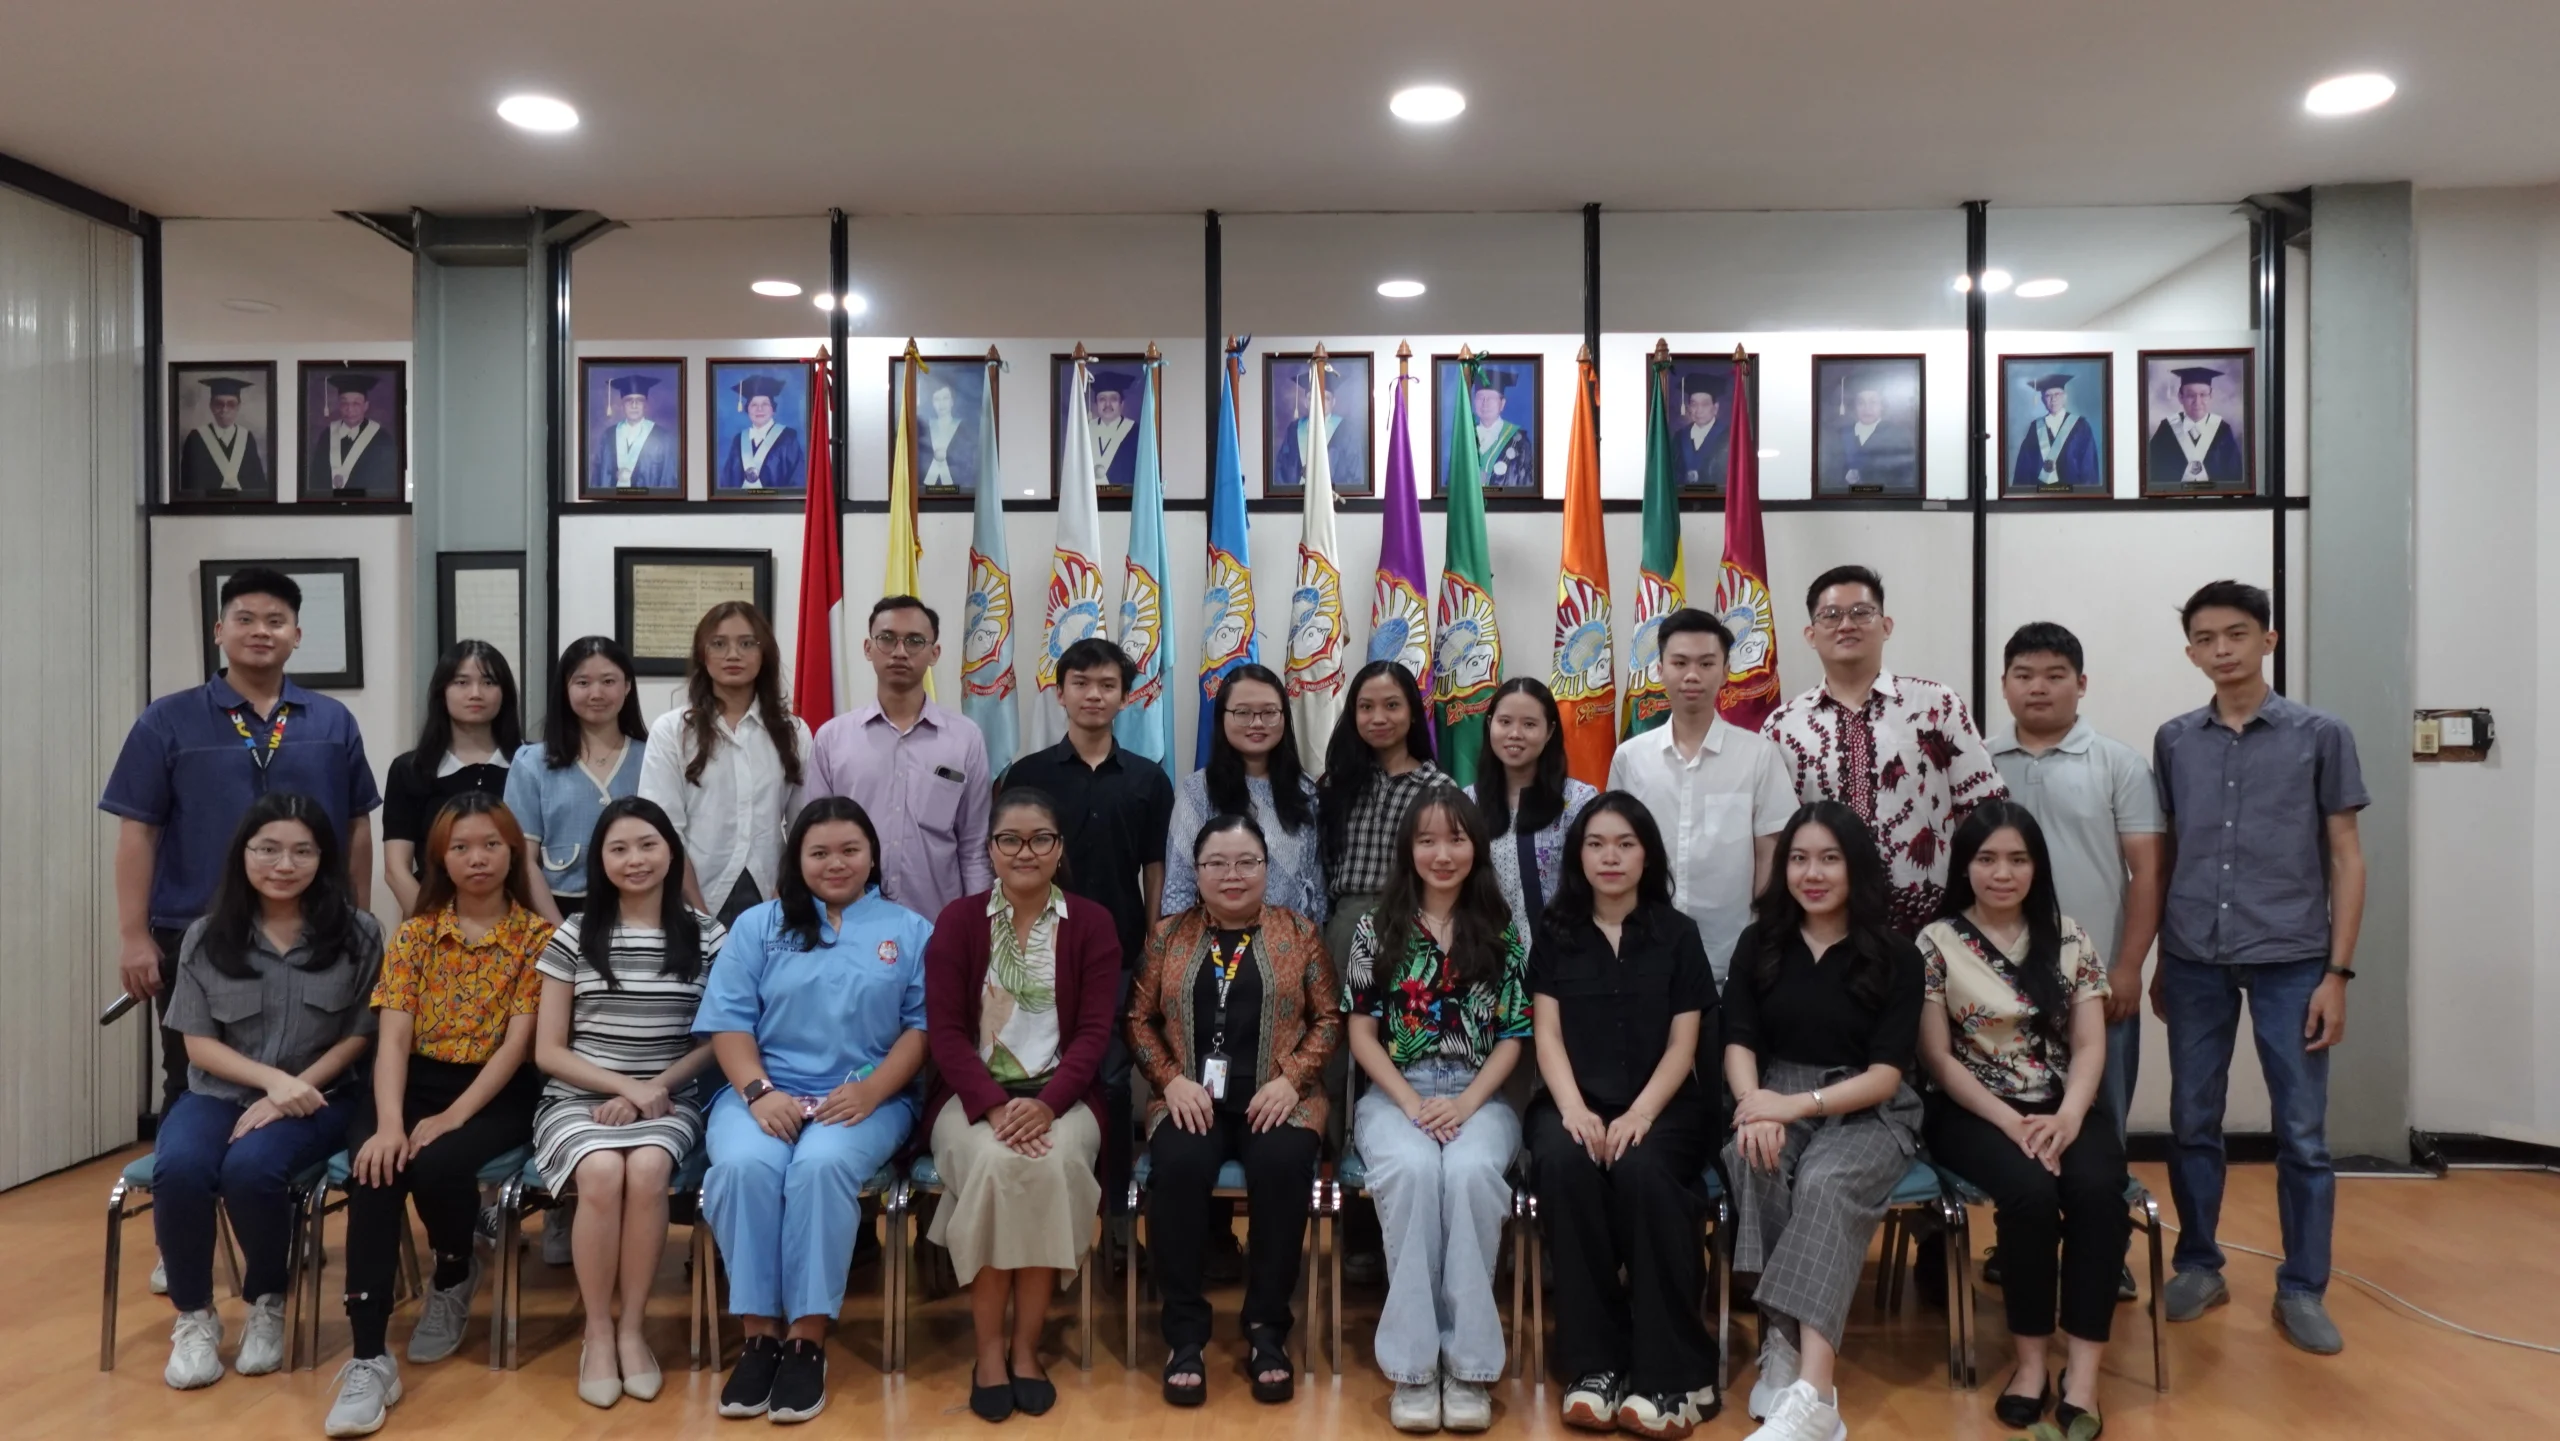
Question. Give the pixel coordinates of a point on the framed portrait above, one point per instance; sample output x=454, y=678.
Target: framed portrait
x=659, y=597
x=2199, y=422
x=760, y=428
x=2057, y=425
x=1349, y=383
x=480, y=596
x=1112, y=400
x=354, y=445
x=951, y=410
x=1500, y=417
x=631, y=417
x=222, y=431
x=331, y=656
x=1870, y=426
x=1701, y=402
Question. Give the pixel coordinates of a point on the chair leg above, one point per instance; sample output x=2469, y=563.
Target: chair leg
x=410, y=1275
x=1129, y=1292
x=114, y=1271
x=1884, y=1261
x=1517, y=1320
x=1084, y=1299
x=1537, y=1299
x=294, y=1232
x=1307, y=1262
x=2159, y=1301
x=1959, y=1244
x=1721, y=1257
x=316, y=1263
x=510, y=1217
x=888, y=1282
x=230, y=1250
x=1333, y=1267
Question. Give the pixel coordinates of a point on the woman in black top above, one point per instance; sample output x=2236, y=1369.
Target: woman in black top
x=473, y=727
x=1622, y=987
x=1822, y=1026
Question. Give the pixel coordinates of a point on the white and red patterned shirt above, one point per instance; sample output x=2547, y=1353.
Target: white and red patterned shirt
x=1909, y=762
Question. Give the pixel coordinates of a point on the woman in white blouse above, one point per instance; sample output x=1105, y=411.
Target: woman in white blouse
x=726, y=766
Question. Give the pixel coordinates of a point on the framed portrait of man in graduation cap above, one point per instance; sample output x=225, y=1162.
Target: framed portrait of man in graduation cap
x=1701, y=402
x=631, y=416
x=760, y=429
x=2199, y=422
x=1870, y=426
x=354, y=436
x=1112, y=399
x=1498, y=413
x=1288, y=443
x=2057, y=426
x=222, y=432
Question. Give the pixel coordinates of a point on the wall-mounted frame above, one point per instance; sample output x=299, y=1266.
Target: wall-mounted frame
x=1870, y=427
x=2199, y=422
x=480, y=596
x=773, y=465
x=352, y=447
x=659, y=596
x=331, y=656
x=2057, y=425
x=1113, y=398
x=946, y=439
x=222, y=432
x=1349, y=387
x=1701, y=420
x=647, y=394
x=1507, y=414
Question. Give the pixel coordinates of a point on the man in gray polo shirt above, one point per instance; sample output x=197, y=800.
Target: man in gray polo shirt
x=2266, y=893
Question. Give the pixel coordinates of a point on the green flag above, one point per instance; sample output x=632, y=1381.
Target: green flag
x=1662, y=581
x=1466, y=645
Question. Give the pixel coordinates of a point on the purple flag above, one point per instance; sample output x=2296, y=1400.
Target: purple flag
x=1399, y=618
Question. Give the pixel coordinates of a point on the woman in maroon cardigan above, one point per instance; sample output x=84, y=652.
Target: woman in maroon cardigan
x=1021, y=993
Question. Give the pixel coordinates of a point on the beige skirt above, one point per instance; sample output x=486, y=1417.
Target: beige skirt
x=1003, y=1209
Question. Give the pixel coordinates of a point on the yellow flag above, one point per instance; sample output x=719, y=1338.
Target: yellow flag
x=906, y=549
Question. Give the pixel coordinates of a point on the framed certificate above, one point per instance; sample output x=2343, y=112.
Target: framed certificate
x=659, y=597
x=480, y=596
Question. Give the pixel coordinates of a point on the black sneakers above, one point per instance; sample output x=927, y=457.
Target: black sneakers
x=750, y=1388
x=1592, y=1402
x=799, y=1383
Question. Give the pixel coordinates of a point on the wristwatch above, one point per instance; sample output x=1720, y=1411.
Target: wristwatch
x=755, y=1090
x=2342, y=971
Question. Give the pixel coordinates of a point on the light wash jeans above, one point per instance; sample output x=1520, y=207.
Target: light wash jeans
x=1441, y=1209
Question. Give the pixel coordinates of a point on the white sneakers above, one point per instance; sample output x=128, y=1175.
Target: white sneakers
x=1416, y=1406
x=262, y=1345
x=195, y=1350
x=1801, y=1414
x=1778, y=1363
x=159, y=1278
x=1465, y=1406
x=367, y=1390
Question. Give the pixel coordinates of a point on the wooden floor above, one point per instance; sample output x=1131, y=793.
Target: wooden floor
x=2483, y=1248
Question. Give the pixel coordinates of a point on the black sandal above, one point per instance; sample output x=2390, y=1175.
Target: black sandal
x=1185, y=1360
x=1268, y=1351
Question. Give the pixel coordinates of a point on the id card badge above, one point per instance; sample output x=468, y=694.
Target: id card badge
x=1213, y=1074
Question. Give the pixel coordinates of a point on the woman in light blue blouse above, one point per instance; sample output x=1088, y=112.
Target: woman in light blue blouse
x=1527, y=799
x=588, y=758
x=1253, y=770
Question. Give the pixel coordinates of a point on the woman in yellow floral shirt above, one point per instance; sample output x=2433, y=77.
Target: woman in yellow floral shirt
x=451, y=1090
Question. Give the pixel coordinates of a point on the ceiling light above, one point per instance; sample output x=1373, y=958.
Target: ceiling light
x=1427, y=104
x=1399, y=289
x=2349, y=94
x=782, y=288
x=538, y=112
x=854, y=304
x=1768, y=455
x=2042, y=289
x=250, y=307
x=1993, y=282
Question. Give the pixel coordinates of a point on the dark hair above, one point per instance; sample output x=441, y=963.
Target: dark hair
x=1224, y=774
x=1543, y=800
x=1842, y=575
x=261, y=580
x=1572, y=900
x=560, y=729
x=1350, y=767
x=435, y=888
x=2043, y=637
x=2234, y=594
x=1219, y=825
x=1689, y=620
x=1038, y=800
x=1777, y=914
x=1095, y=653
x=328, y=906
x=888, y=603
x=2041, y=976
x=1476, y=923
x=700, y=694
x=603, y=910
x=791, y=888
x=506, y=727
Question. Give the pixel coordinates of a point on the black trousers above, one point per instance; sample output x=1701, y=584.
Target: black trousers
x=1644, y=1217
x=1279, y=1182
x=173, y=1046
x=2080, y=1213
x=443, y=1182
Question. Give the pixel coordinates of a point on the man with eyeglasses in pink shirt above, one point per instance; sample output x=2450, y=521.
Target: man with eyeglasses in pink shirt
x=918, y=769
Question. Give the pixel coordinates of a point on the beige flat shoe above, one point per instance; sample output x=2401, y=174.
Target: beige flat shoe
x=600, y=1394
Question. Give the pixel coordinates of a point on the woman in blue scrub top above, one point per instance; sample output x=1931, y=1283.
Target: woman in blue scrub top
x=816, y=1014
x=588, y=758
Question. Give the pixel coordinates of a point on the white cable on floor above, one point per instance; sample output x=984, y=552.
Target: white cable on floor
x=2394, y=1298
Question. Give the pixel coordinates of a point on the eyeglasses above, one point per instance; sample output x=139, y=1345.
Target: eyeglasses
x=1232, y=865
x=1007, y=843
x=268, y=853
x=1258, y=716
x=728, y=645
x=1831, y=616
x=901, y=644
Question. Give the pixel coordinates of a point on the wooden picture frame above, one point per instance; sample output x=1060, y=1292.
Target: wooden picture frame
x=2022, y=405
x=1356, y=374
x=332, y=618
x=660, y=594
x=2163, y=476
x=969, y=373
x=191, y=405
x=725, y=422
x=1444, y=374
x=1062, y=386
x=597, y=419
x=1834, y=422
x=1717, y=365
x=386, y=406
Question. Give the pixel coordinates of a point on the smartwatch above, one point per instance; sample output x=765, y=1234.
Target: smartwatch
x=755, y=1090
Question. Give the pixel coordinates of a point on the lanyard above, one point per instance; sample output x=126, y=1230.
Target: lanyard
x=261, y=755
x=1225, y=967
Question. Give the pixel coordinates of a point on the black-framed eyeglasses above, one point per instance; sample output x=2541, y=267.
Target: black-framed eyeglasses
x=1040, y=844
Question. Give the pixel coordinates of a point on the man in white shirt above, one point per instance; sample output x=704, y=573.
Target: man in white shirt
x=1721, y=794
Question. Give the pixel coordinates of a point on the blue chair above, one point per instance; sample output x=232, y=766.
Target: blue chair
x=1528, y=1273
x=1230, y=1186
x=924, y=1178
x=2146, y=1212
x=1917, y=1199
x=1351, y=1177
x=525, y=1193
x=334, y=1177
x=706, y=1344
x=301, y=1260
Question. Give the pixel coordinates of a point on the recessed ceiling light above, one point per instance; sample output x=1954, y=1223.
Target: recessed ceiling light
x=2041, y=289
x=2349, y=94
x=250, y=307
x=1400, y=289
x=1768, y=455
x=1427, y=104
x=538, y=112
x=783, y=288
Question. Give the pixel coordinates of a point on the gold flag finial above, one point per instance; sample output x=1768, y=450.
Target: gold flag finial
x=1583, y=356
x=1080, y=355
x=1662, y=348
x=1152, y=352
x=1739, y=354
x=1404, y=357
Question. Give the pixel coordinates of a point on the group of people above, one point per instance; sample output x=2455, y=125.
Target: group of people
x=1799, y=957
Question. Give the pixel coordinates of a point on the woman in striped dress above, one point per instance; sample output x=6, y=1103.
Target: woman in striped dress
x=620, y=982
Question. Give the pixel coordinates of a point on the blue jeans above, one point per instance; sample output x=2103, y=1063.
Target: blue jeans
x=1441, y=1210
x=196, y=1161
x=2204, y=1022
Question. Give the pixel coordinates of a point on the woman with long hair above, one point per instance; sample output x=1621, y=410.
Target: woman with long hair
x=1622, y=990
x=2014, y=1033
x=1252, y=770
x=816, y=1012
x=588, y=757
x=727, y=764
x=1527, y=799
x=621, y=981
x=270, y=995
x=473, y=727
x=1822, y=1025
x=1439, y=1012
x=1376, y=764
x=451, y=1091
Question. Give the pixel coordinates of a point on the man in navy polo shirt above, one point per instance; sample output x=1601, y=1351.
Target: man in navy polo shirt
x=193, y=764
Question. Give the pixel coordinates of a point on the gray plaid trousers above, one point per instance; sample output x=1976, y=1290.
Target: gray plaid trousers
x=1805, y=1228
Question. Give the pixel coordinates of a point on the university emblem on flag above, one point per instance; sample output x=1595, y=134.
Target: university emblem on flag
x=1075, y=610
x=1315, y=627
x=984, y=667
x=1655, y=599
x=1141, y=628
x=1402, y=631
x=1582, y=640
x=1742, y=602
x=1226, y=617
x=1470, y=650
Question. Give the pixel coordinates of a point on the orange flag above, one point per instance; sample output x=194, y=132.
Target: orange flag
x=1584, y=673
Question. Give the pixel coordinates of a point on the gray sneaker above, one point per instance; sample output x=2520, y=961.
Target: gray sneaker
x=262, y=1345
x=439, y=1332
x=2190, y=1294
x=1778, y=1365
x=2304, y=1320
x=367, y=1390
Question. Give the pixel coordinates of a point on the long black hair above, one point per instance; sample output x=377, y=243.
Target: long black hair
x=2041, y=976
x=561, y=732
x=603, y=911
x=791, y=888
x=1572, y=900
x=1543, y=800
x=1351, y=768
x=702, y=695
x=1778, y=915
x=1476, y=953
x=1225, y=772
x=328, y=906
x=506, y=727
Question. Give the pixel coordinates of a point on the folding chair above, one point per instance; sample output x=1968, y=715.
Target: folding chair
x=136, y=1179
x=1230, y=1187
x=1916, y=1198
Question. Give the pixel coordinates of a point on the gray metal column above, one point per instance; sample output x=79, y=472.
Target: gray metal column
x=2363, y=434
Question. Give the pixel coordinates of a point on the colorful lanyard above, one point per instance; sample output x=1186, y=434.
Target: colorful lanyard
x=275, y=737
x=1226, y=966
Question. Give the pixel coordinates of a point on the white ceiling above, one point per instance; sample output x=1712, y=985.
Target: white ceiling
x=296, y=108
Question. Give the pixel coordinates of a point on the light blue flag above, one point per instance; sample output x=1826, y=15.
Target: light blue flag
x=1226, y=606
x=1146, y=722
x=986, y=646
